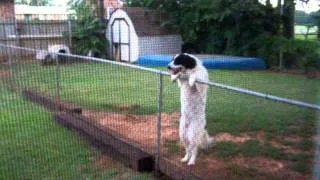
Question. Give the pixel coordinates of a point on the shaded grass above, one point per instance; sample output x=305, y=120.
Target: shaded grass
x=301, y=167
x=239, y=172
x=251, y=148
x=172, y=146
x=227, y=150
x=33, y=146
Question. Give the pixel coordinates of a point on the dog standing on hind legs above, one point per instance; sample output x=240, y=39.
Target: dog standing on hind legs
x=186, y=69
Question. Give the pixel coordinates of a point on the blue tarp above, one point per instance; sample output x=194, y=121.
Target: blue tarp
x=213, y=62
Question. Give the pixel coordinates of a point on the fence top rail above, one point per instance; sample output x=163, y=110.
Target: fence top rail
x=89, y=58
x=160, y=72
x=33, y=22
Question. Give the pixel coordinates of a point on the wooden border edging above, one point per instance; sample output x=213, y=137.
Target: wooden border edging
x=119, y=149
x=134, y=157
x=49, y=102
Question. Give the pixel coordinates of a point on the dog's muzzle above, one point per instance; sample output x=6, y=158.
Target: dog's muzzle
x=174, y=71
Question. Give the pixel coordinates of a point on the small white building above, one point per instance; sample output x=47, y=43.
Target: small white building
x=133, y=32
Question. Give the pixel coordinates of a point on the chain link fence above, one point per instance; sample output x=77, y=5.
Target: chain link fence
x=264, y=123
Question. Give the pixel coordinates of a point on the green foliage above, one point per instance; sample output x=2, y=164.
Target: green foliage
x=316, y=16
x=298, y=53
x=219, y=26
x=238, y=27
x=88, y=32
x=141, y=3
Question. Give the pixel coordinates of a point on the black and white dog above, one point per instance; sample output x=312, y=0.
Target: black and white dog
x=186, y=69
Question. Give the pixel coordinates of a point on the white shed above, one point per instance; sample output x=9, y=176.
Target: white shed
x=133, y=32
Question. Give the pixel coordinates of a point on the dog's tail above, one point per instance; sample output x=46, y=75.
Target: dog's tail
x=207, y=141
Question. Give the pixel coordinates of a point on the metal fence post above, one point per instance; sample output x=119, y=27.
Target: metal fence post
x=70, y=33
x=57, y=76
x=8, y=54
x=316, y=168
x=159, y=110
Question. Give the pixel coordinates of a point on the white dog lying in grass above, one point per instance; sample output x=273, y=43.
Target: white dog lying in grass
x=186, y=69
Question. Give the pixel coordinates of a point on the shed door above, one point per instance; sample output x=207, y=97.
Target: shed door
x=120, y=39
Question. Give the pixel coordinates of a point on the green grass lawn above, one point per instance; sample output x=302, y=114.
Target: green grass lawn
x=33, y=146
x=312, y=37
x=104, y=87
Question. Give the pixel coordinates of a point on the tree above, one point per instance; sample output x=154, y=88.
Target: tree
x=316, y=17
x=140, y=3
x=220, y=26
x=288, y=18
x=96, y=5
x=35, y=2
x=88, y=33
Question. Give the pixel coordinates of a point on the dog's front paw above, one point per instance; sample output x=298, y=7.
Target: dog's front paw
x=174, y=77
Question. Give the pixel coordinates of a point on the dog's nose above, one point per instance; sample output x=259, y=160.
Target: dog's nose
x=169, y=67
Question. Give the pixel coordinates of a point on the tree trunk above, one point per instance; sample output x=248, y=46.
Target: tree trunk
x=101, y=10
x=280, y=30
x=288, y=18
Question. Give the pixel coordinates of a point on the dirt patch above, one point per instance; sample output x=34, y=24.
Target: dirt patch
x=292, y=138
x=127, y=107
x=141, y=130
x=278, y=169
x=266, y=165
x=286, y=149
x=104, y=162
x=317, y=139
x=4, y=73
x=228, y=137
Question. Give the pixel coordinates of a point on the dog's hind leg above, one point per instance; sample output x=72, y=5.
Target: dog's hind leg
x=183, y=138
x=187, y=156
x=194, y=153
x=192, y=138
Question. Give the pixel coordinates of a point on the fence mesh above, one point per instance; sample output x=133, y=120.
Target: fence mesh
x=114, y=108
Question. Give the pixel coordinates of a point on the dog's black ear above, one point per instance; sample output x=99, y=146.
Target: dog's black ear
x=185, y=60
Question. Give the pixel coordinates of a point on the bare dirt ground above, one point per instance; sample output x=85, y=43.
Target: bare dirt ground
x=141, y=130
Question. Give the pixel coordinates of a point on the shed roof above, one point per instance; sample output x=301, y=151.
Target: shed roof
x=147, y=22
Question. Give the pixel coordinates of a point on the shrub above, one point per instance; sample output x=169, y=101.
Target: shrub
x=298, y=54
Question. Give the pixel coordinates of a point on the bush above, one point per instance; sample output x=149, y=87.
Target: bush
x=297, y=54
